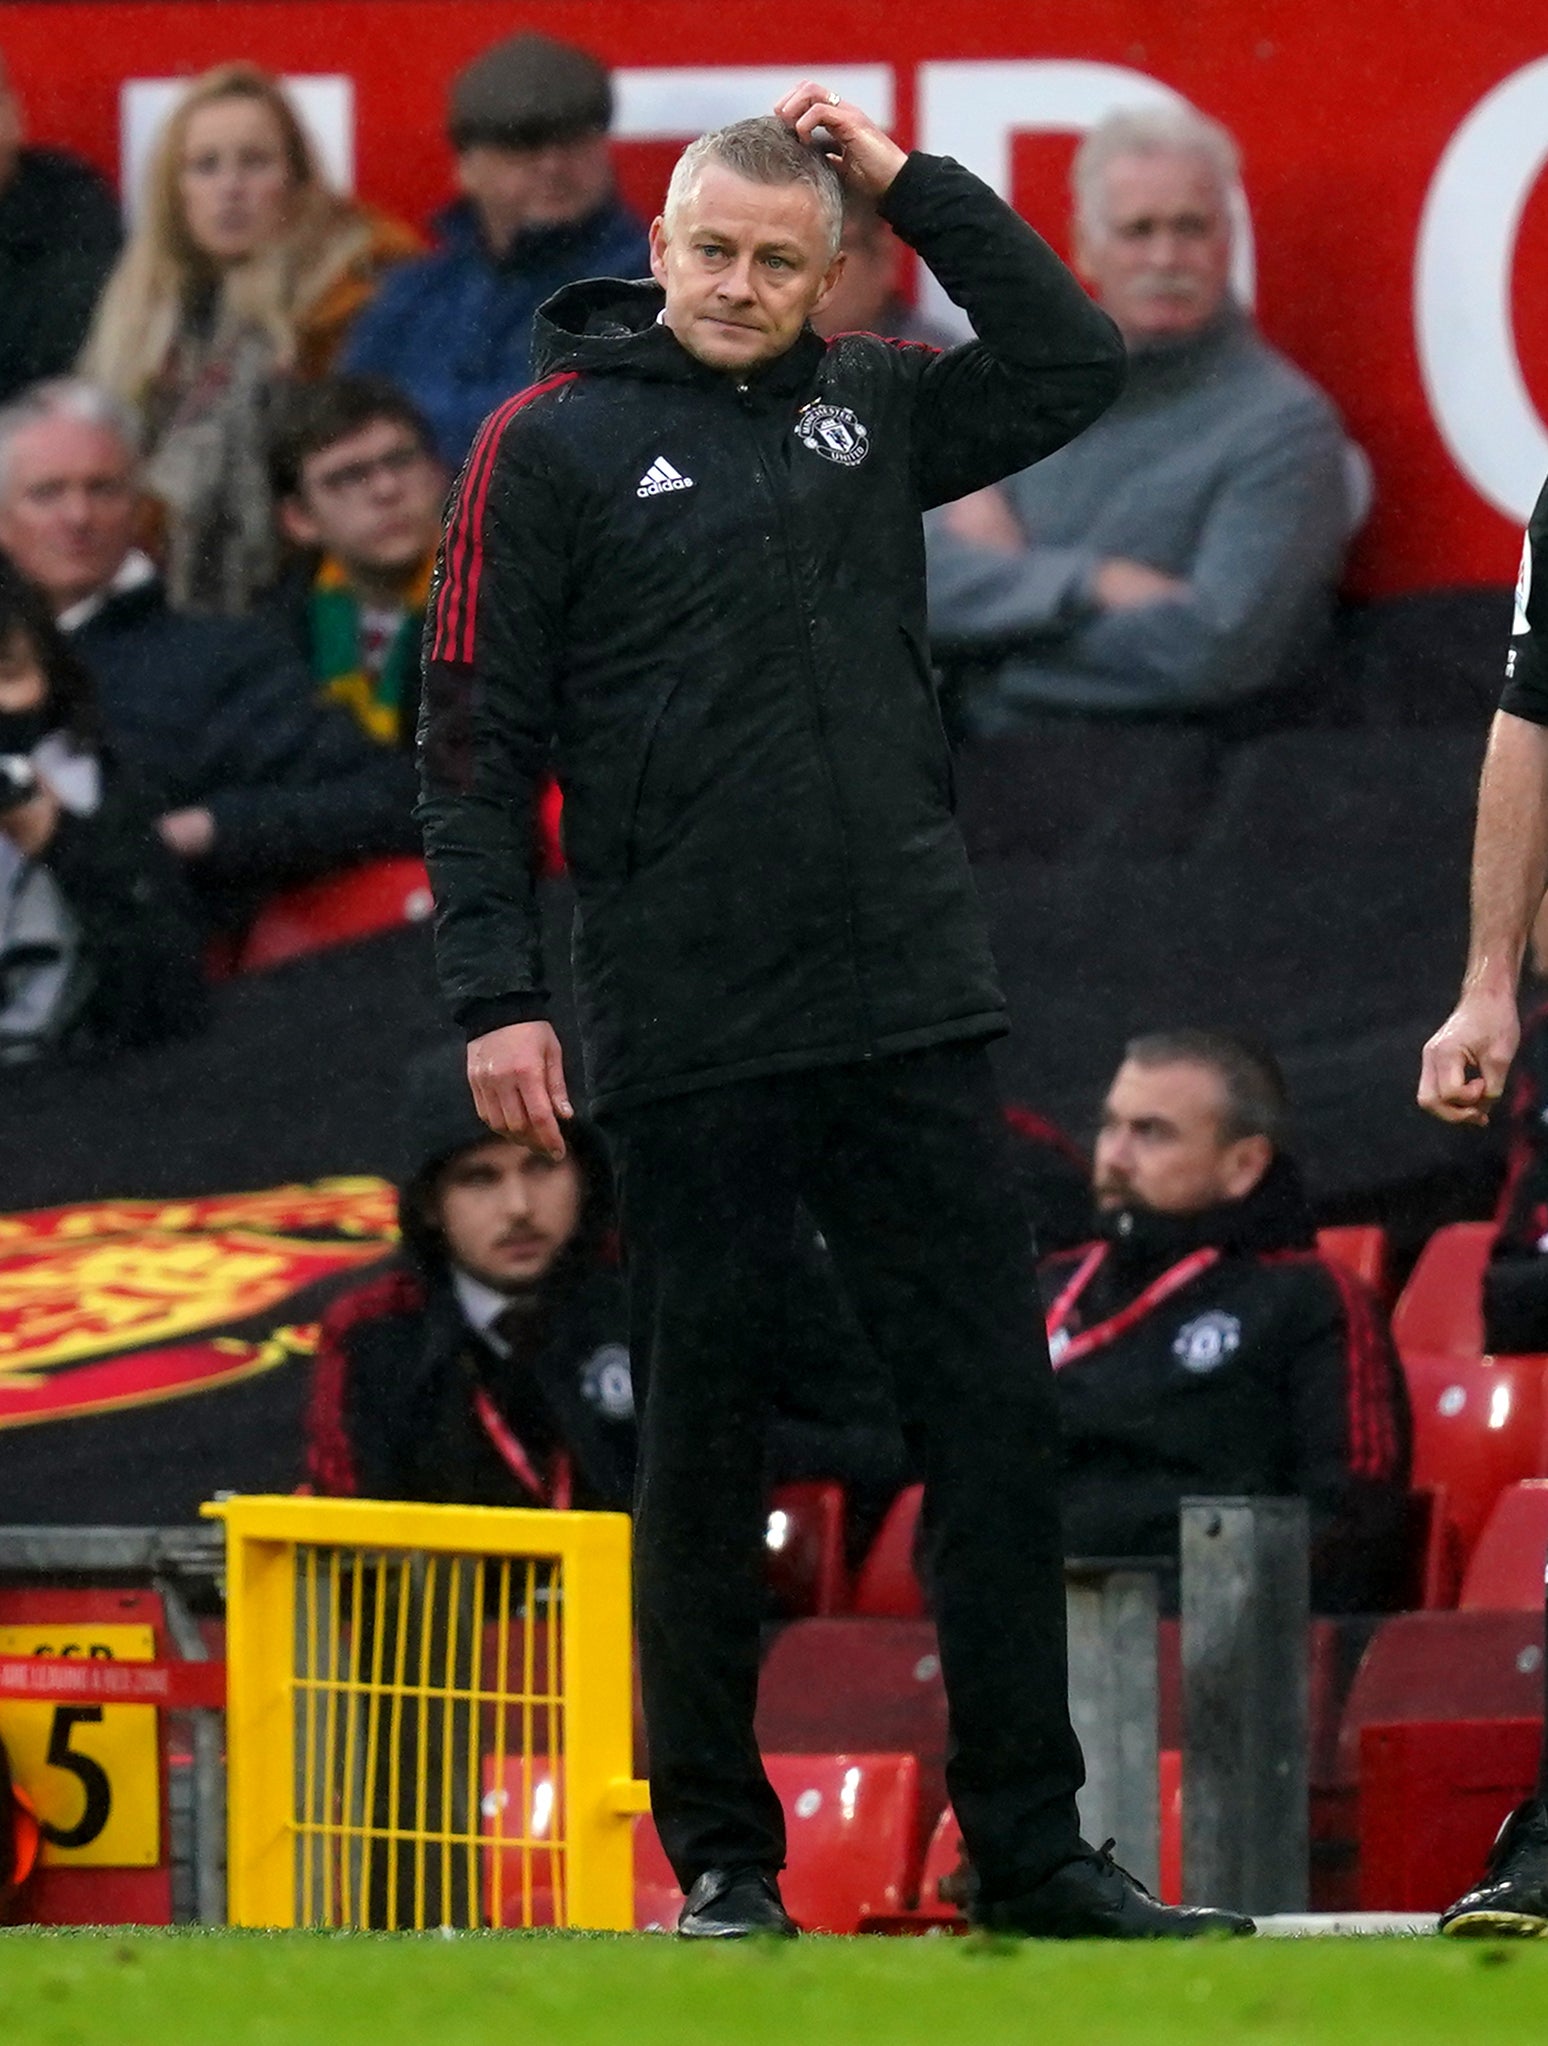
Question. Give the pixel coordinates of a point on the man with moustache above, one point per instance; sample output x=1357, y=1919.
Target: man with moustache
x=487, y=1366
x=689, y=564
x=1201, y=1347
x=1181, y=557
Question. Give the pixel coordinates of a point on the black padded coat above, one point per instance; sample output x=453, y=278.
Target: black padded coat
x=703, y=598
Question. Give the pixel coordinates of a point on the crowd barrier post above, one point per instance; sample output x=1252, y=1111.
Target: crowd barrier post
x=1245, y=1613
x=1111, y=1611
x=429, y=1716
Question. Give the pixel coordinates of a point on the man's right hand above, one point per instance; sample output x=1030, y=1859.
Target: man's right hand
x=517, y=1078
x=1478, y=1038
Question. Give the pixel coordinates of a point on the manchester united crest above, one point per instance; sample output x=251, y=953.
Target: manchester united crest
x=834, y=432
x=1207, y=1342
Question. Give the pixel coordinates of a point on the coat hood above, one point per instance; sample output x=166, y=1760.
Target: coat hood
x=605, y=326
x=439, y=1120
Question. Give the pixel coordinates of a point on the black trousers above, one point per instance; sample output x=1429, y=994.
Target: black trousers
x=905, y=1165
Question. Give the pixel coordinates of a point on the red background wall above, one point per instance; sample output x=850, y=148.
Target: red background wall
x=1343, y=112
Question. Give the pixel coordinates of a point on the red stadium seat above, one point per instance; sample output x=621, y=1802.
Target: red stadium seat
x=849, y=1824
x=1478, y=1426
x=657, y=1898
x=1416, y=1667
x=330, y=911
x=1441, y=1308
x=859, y=1687
x=1360, y=1249
x=1505, y=1570
x=519, y=1883
x=1432, y=1796
x=1434, y=1562
x=1443, y=1666
x=887, y=1587
x=806, y=1569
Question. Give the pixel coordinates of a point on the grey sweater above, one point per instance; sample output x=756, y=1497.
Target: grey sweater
x=1221, y=464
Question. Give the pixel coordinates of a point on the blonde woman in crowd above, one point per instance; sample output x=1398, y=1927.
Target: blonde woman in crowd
x=242, y=274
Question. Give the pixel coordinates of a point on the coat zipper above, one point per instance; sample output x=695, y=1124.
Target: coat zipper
x=814, y=701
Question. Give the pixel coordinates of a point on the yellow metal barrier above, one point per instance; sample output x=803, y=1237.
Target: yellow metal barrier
x=429, y=1716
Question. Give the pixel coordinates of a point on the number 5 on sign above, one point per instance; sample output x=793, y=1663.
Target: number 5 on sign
x=92, y=1771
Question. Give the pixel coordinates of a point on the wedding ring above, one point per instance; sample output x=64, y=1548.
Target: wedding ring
x=833, y=99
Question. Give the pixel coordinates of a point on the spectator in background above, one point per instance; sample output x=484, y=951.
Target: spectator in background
x=243, y=270
x=1200, y=1344
x=59, y=237
x=359, y=490
x=257, y=783
x=99, y=941
x=528, y=121
x=488, y=1366
x=868, y=298
x=1181, y=554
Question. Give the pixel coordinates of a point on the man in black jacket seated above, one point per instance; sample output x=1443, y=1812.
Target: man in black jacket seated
x=1202, y=1347
x=692, y=555
x=259, y=782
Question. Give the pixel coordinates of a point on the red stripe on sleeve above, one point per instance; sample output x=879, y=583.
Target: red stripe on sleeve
x=456, y=605
x=330, y=1454
x=1372, y=1438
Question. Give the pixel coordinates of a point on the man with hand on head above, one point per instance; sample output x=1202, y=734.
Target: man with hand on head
x=1463, y=1077
x=689, y=562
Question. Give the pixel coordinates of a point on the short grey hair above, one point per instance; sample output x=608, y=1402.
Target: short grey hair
x=68, y=398
x=1149, y=131
x=765, y=152
x=1256, y=1102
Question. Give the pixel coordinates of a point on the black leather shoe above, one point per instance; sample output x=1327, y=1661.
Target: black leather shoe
x=735, y=1903
x=1512, y=1900
x=1091, y=1897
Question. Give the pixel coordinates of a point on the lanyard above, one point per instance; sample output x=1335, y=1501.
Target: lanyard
x=1063, y=1348
x=516, y=1460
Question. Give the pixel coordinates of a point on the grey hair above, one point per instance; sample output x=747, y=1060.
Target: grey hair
x=1149, y=131
x=68, y=398
x=1257, y=1102
x=765, y=152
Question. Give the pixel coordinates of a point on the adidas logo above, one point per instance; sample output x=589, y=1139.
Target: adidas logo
x=661, y=477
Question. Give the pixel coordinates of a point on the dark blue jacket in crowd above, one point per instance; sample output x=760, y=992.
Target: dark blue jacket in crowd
x=221, y=713
x=454, y=329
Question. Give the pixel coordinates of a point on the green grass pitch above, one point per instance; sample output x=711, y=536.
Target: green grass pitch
x=251, y=1989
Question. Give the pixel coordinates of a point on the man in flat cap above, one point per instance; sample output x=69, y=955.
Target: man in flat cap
x=528, y=121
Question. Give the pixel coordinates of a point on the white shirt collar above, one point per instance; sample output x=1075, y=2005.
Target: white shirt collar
x=483, y=1307
x=132, y=572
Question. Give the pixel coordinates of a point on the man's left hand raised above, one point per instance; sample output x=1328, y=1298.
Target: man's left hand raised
x=864, y=155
